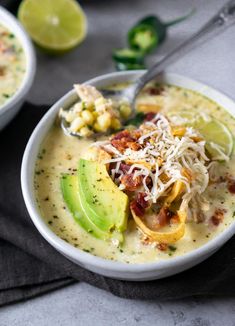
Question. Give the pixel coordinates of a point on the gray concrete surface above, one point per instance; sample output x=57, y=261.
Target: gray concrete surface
x=214, y=63
x=83, y=305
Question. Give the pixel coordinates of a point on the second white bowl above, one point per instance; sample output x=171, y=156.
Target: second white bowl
x=11, y=107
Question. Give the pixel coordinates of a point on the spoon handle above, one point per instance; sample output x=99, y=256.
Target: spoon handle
x=223, y=19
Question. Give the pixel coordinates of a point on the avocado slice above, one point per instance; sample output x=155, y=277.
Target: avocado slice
x=70, y=190
x=103, y=202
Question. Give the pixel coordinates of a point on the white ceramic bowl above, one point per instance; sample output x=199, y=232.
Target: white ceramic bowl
x=146, y=271
x=11, y=107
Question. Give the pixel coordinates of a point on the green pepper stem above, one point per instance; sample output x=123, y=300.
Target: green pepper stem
x=180, y=19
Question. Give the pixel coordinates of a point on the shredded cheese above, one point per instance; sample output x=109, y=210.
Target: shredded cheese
x=166, y=154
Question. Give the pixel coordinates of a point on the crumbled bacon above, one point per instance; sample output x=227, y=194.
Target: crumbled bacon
x=133, y=145
x=162, y=218
x=120, y=145
x=231, y=185
x=145, y=240
x=162, y=246
x=218, y=216
x=174, y=219
x=125, y=139
x=149, y=116
x=140, y=199
x=2, y=71
x=124, y=167
x=130, y=182
x=138, y=210
x=121, y=134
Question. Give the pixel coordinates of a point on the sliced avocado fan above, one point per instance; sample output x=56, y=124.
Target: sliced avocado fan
x=104, y=203
x=103, y=221
x=69, y=187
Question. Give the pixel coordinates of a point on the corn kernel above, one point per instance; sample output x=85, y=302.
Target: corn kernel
x=104, y=120
x=90, y=106
x=96, y=127
x=115, y=124
x=78, y=107
x=70, y=116
x=87, y=116
x=85, y=132
x=100, y=104
x=77, y=124
x=125, y=110
x=95, y=114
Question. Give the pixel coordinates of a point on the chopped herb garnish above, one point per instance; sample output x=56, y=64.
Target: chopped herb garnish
x=172, y=248
x=137, y=120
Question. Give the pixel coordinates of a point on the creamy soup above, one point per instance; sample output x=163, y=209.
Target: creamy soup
x=12, y=64
x=60, y=153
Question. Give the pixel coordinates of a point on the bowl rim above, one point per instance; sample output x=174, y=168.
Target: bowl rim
x=78, y=255
x=15, y=26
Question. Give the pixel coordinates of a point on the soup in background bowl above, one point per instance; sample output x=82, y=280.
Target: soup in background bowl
x=12, y=64
x=17, y=66
x=138, y=255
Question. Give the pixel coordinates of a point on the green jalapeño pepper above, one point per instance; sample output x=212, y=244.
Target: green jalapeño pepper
x=121, y=66
x=128, y=56
x=149, y=32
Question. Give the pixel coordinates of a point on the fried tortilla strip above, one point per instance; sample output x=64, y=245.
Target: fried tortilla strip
x=176, y=191
x=148, y=107
x=178, y=131
x=163, y=237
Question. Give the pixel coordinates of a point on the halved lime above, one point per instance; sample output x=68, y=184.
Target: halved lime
x=56, y=25
x=219, y=140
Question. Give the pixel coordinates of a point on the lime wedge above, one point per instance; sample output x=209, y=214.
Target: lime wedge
x=219, y=140
x=56, y=26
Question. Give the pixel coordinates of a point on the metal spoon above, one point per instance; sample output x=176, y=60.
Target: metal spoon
x=218, y=23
